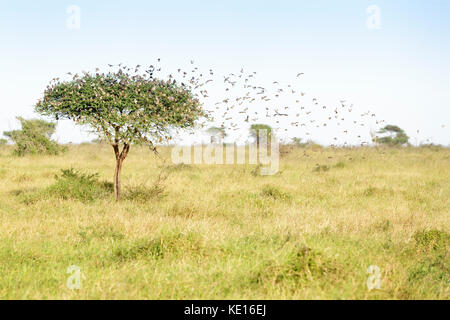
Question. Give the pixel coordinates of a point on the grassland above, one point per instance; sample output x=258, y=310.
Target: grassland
x=224, y=232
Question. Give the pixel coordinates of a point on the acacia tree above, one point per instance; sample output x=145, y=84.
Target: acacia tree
x=256, y=132
x=396, y=136
x=123, y=109
x=216, y=134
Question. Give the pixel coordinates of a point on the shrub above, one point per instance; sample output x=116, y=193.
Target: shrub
x=72, y=184
x=34, y=138
x=261, y=132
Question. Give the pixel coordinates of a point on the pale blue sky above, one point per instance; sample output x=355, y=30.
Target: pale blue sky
x=401, y=71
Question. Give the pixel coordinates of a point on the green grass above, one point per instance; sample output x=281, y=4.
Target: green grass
x=224, y=232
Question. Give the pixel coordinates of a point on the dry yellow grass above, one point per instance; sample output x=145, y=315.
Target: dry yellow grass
x=221, y=232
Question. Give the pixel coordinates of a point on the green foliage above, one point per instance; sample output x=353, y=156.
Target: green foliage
x=34, y=137
x=396, y=137
x=262, y=133
x=256, y=128
x=3, y=141
x=122, y=108
x=75, y=185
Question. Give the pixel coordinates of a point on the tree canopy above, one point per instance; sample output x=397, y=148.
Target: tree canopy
x=254, y=128
x=396, y=136
x=257, y=129
x=122, y=108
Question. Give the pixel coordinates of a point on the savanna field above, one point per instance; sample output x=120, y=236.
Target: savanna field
x=223, y=231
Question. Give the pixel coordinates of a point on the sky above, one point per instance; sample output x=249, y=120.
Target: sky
x=389, y=57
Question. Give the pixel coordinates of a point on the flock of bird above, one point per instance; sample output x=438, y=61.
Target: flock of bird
x=234, y=100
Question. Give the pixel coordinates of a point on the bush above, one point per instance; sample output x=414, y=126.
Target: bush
x=3, y=141
x=34, y=138
x=74, y=185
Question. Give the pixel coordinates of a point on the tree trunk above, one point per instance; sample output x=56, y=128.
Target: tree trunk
x=257, y=146
x=117, y=186
x=120, y=157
